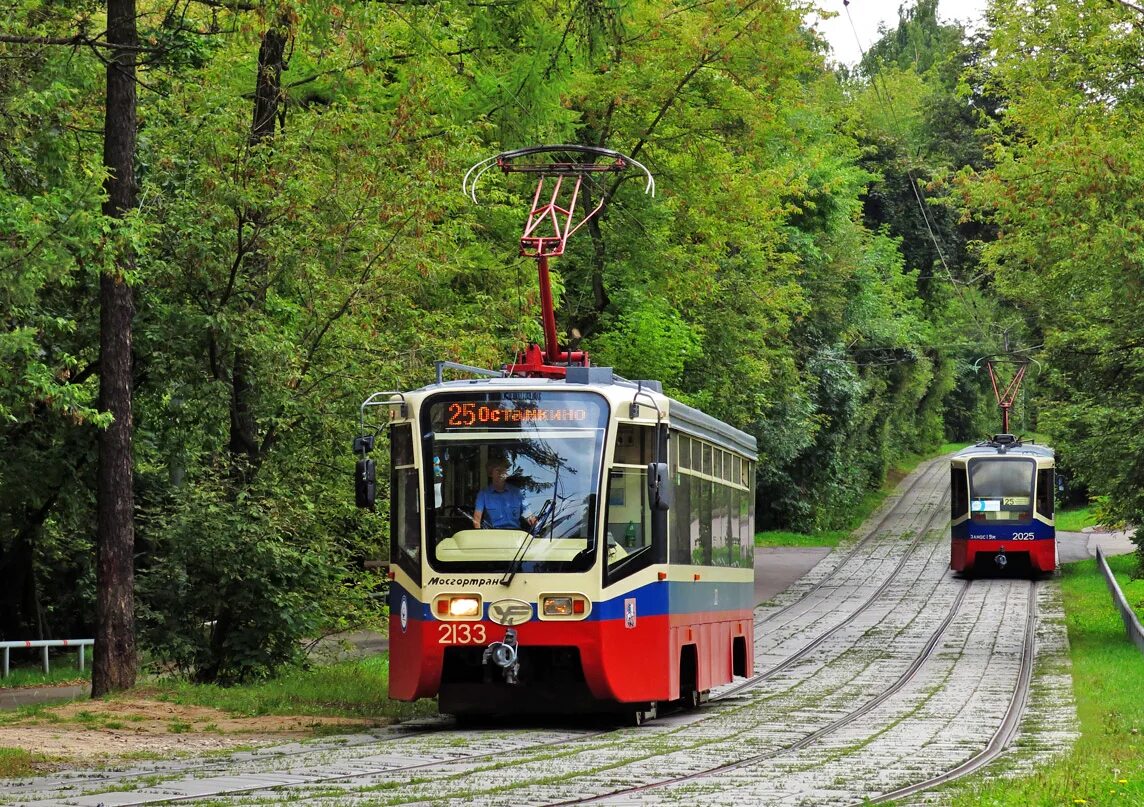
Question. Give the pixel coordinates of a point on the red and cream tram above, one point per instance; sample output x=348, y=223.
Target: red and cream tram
x=627, y=577
x=562, y=540
x=1002, y=506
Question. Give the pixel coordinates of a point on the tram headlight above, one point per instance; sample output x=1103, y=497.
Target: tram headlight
x=464, y=606
x=557, y=606
x=567, y=606
x=457, y=606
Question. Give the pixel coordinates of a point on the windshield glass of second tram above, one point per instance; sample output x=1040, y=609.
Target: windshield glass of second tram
x=526, y=462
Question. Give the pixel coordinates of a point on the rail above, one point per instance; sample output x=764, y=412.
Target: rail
x=43, y=644
x=1131, y=621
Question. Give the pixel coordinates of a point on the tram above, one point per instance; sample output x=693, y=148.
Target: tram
x=563, y=540
x=1002, y=506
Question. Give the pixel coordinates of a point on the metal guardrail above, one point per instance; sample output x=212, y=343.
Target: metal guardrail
x=1131, y=621
x=43, y=644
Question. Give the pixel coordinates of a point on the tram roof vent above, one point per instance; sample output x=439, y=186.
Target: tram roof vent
x=588, y=375
x=1005, y=439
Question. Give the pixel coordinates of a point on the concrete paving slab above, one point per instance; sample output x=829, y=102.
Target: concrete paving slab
x=1074, y=546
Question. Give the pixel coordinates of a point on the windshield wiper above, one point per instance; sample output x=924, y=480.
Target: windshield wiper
x=546, y=510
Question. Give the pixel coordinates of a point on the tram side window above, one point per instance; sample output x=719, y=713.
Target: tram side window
x=721, y=524
x=712, y=512
x=701, y=521
x=629, y=518
x=958, y=493
x=629, y=521
x=680, y=513
x=1046, y=488
x=634, y=445
x=746, y=523
x=405, y=512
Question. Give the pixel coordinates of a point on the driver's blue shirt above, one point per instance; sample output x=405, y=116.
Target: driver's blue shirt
x=502, y=508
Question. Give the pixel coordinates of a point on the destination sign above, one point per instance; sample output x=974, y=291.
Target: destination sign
x=468, y=413
x=510, y=412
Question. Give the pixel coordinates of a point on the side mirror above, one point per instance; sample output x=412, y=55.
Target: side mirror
x=658, y=486
x=365, y=484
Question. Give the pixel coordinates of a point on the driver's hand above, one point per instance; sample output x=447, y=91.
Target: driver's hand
x=531, y=521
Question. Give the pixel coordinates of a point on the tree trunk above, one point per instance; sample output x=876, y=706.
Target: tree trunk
x=268, y=85
x=245, y=448
x=114, y=658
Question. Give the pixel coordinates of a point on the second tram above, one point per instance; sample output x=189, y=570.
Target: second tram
x=1002, y=506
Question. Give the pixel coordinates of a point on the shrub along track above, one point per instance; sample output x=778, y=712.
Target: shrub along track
x=883, y=672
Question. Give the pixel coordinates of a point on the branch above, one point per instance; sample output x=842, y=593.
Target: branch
x=1133, y=6
x=72, y=42
x=230, y=5
x=345, y=306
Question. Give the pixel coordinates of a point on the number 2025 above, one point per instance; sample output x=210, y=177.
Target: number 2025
x=460, y=633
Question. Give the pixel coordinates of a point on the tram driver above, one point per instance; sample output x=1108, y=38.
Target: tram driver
x=501, y=503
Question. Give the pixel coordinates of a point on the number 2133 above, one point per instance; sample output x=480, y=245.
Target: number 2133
x=460, y=633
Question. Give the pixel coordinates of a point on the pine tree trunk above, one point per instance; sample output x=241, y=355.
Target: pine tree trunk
x=114, y=658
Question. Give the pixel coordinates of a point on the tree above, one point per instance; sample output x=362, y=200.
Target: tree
x=114, y=663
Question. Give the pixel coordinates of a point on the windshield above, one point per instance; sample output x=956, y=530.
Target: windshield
x=514, y=475
x=1001, y=490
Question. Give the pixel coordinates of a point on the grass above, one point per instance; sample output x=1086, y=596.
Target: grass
x=869, y=503
x=1075, y=519
x=344, y=689
x=1106, y=766
x=787, y=538
x=18, y=762
x=61, y=671
x=1133, y=588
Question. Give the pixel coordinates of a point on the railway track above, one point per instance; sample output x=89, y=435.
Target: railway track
x=879, y=638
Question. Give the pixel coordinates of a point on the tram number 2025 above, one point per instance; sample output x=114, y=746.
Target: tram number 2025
x=460, y=633
x=1022, y=536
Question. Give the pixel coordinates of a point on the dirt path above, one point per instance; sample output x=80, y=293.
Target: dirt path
x=85, y=731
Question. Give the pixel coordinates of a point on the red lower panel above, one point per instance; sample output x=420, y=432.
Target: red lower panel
x=1042, y=554
x=414, y=660
x=958, y=558
x=621, y=663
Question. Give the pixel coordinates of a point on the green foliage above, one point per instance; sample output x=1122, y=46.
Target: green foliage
x=239, y=582
x=650, y=341
x=917, y=44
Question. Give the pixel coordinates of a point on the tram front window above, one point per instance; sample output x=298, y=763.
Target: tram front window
x=1001, y=490
x=514, y=476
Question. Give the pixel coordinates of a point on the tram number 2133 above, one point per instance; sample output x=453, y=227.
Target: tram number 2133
x=460, y=633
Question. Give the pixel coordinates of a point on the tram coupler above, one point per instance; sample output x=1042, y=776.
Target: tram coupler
x=504, y=654
x=1001, y=559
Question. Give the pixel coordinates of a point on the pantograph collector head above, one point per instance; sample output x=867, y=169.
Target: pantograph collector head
x=556, y=213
